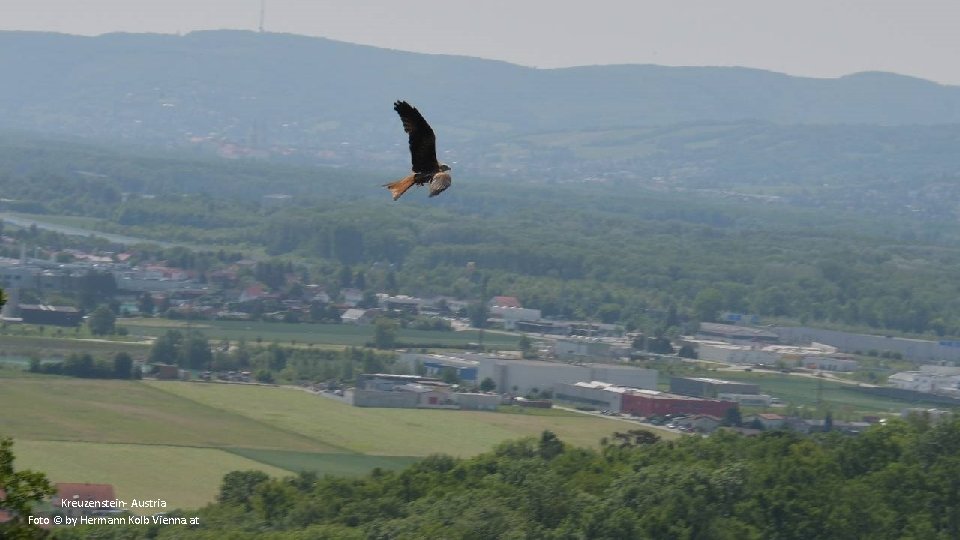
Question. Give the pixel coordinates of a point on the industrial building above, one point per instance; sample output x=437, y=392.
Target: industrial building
x=402, y=391
x=510, y=316
x=524, y=376
x=833, y=362
x=636, y=401
x=594, y=394
x=575, y=347
x=736, y=334
x=710, y=388
x=474, y=401
x=466, y=370
x=728, y=353
x=654, y=403
x=49, y=315
x=747, y=400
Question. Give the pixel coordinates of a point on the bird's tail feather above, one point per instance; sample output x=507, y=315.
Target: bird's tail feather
x=400, y=187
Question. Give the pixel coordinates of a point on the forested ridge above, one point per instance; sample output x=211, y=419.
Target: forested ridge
x=898, y=481
x=603, y=251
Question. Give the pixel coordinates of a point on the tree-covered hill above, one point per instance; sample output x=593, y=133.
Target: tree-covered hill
x=321, y=101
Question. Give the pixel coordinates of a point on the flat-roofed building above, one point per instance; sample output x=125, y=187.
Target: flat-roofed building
x=50, y=315
x=734, y=333
x=594, y=394
x=709, y=387
x=523, y=376
x=747, y=400
x=655, y=403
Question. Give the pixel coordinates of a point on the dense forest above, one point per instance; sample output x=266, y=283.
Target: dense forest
x=897, y=481
x=601, y=251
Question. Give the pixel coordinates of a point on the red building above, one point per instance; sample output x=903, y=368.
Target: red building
x=654, y=403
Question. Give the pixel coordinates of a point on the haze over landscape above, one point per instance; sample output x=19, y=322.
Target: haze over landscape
x=697, y=275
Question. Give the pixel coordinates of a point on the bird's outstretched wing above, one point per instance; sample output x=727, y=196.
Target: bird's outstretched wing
x=423, y=143
x=440, y=182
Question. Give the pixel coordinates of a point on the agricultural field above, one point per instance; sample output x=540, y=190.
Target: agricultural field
x=59, y=346
x=67, y=409
x=372, y=431
x=175, y=440
x=318, y=334
x=322, y=464
x=183, y=476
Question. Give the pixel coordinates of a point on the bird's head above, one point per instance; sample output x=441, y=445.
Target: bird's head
x=444, y=167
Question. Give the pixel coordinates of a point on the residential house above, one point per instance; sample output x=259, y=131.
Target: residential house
x=4, y=514
x=510, y=316
x=504, y=301
x=358, y=316
x=352, y=297
x=253, y=292
x=96, y=499
x=403, y=303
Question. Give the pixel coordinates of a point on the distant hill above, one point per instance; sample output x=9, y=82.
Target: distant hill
x=316, y=100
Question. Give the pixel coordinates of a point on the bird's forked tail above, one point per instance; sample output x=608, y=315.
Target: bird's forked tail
x=400, y=187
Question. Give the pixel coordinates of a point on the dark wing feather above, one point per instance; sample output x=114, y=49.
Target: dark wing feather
x=423, y=143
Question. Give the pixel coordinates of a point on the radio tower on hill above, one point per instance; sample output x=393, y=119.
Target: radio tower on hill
x=263, y=5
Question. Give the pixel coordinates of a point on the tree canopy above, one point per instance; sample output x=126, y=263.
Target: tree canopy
x=895, y=481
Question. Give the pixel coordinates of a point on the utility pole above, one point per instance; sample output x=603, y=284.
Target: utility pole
x=819, y=390
x=262, y=10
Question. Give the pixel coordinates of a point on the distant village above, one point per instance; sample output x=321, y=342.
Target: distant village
x=583, y=364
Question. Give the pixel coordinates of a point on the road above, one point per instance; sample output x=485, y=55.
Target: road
x=21, y=220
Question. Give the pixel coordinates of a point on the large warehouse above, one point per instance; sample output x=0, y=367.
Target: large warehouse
x=594, y=394
x=523, y=376
x=654, y=403
x=636, y=401
x=710, y=388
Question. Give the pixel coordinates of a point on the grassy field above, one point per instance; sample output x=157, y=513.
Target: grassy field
x=67, y=409
x=405, y=432
x=175, y=440
x=184, y=477
x=49, y=346
x=330, y=334
x=334, y=464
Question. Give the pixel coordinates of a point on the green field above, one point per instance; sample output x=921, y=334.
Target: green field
x=405, y=432
x=66, y=409
x=49, y=346
x=175, y=440
x=328, y=334
x=184, y=477
x=333, y=464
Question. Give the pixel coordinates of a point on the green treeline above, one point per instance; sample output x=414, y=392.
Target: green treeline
x=193, y=350
x=610, y=252
x=84, y=365
x=892, y=482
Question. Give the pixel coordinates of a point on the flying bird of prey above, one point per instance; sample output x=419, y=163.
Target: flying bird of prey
x=423, y=155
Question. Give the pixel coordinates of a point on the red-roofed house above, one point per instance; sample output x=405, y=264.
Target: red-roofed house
x=102, y=493
x=4, y=515
x=505, y=301
x=253, y=292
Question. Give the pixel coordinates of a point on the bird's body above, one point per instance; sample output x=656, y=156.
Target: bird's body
x=423, y=155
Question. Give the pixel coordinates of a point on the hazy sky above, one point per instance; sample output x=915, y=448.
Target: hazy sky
x=822, y=38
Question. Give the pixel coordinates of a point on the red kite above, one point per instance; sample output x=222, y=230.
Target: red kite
x=423, y=155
